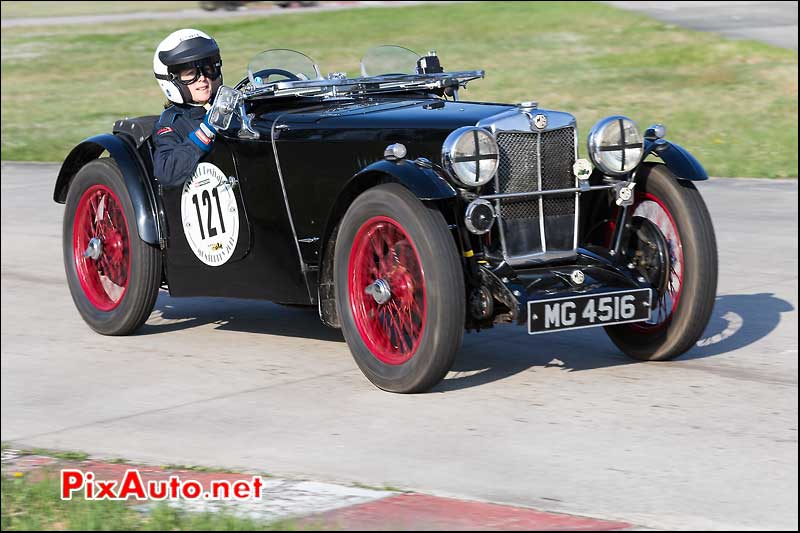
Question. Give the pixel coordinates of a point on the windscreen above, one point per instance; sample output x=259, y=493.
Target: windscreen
x=278, y=65
x=387, y=60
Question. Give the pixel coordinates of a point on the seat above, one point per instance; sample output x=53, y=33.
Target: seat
x=139, y=131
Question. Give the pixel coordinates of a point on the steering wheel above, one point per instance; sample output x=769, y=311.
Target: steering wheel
x=267, y=72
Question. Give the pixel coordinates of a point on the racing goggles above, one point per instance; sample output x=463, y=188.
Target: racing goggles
x=188, y=74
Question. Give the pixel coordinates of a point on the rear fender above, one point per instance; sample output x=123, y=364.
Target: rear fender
x=138, y=184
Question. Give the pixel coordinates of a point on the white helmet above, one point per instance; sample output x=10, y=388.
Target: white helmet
x=182, y=49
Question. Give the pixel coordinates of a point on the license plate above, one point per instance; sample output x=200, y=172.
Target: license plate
x=587, y=311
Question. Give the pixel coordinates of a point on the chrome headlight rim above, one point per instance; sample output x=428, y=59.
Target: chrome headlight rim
x=594, y=145
x=480, y=202
x=450, y=160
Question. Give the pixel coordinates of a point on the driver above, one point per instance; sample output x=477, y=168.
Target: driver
x=188, y=68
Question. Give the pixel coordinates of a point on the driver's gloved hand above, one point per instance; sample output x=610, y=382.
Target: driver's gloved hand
x=203, y=136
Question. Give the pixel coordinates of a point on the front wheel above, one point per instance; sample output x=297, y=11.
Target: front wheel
x=112, y=274
x=671, y=244
x=399, y=289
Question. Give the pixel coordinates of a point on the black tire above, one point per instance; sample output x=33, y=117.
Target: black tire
x=442, y=322
x=698, y=289
x=104, y=313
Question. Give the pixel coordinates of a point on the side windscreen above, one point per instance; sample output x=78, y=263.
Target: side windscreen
x=387, y=60
x=278, y=65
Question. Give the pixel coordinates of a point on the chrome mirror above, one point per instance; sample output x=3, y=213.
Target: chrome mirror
x=226, y=104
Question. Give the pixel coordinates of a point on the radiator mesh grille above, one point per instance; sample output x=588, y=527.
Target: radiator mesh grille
x=523, y=156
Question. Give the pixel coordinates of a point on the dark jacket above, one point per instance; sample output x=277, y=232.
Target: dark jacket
x=176, y=153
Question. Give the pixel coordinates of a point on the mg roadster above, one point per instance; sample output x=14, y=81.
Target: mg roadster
x=405, y=215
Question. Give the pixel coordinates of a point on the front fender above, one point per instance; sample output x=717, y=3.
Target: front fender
x=138, y=185
x=425, y=183
x=678, y=159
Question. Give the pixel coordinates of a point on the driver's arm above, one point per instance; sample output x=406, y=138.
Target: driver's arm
x=178, y=152
x=175, y=159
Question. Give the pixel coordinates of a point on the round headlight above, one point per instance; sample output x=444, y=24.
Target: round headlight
x=616, y=145
x=471, y=155
x=479, y=216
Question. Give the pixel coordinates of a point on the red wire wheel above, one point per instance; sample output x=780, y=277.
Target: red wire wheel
x=399, y=289
x=100, y=219
x=382, y=253
x=113, y=275
x=651, y=208
x=671, y=244
x=669, y=282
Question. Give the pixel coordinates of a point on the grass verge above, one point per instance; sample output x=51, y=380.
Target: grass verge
x=29, y=505
x=64, y=455
x=731, y=103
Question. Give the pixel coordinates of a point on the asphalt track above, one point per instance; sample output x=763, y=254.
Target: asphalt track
x=773, y=23
x=254, y=9
x=555, y=422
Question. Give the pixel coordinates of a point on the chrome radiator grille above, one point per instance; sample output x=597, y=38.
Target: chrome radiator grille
x=534, y=162
x=518, y=171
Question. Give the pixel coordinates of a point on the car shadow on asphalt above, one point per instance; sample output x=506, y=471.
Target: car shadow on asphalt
x=737, y=321
x=233, y=314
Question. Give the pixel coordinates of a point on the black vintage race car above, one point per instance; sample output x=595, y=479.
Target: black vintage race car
x=406, y=215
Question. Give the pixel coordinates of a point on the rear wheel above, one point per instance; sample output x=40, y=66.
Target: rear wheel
x=112, y=274
x=399, y=289
x=672, y=245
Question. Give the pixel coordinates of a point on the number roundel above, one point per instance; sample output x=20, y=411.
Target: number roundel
x=210, y=215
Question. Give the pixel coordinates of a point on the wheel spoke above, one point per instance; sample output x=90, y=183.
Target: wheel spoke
x=406, y=333
x=409, y=320
x=394, y=329
x=383, y=251
x=94, y=201
x=105, y=264
x=376, y=248
x=388, y=328
x=99, y=215
x=113, y=221
x=656, y=248
x=400, y=323
x=101, y=208
x=88, y=226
